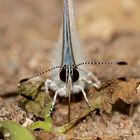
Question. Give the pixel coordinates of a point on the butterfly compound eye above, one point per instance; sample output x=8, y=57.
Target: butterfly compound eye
x=74, y=75
x=63, y=75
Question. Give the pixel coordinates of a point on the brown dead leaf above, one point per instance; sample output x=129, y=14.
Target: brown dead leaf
x=112, y=91
x=125, y=90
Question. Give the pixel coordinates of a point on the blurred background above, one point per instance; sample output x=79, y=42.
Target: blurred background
x=29, y=30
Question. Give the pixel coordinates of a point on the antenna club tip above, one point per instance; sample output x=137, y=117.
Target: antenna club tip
x=122, y=63
x=23, y=80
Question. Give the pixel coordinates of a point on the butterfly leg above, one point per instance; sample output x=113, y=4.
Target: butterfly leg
x=59, y=91
x=85, y=96
x=97, y=83
x=47, y=85
x=53, y=102
x=48, y=82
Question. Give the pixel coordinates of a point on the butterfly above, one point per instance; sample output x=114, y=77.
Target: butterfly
x=71, y=76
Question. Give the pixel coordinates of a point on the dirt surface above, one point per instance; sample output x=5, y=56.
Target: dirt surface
x=108, y=30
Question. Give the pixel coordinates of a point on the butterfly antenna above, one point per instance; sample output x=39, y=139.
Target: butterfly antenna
x=102, y=63
x=38, y=74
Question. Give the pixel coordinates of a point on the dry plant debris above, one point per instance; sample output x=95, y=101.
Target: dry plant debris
x=88, y=125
